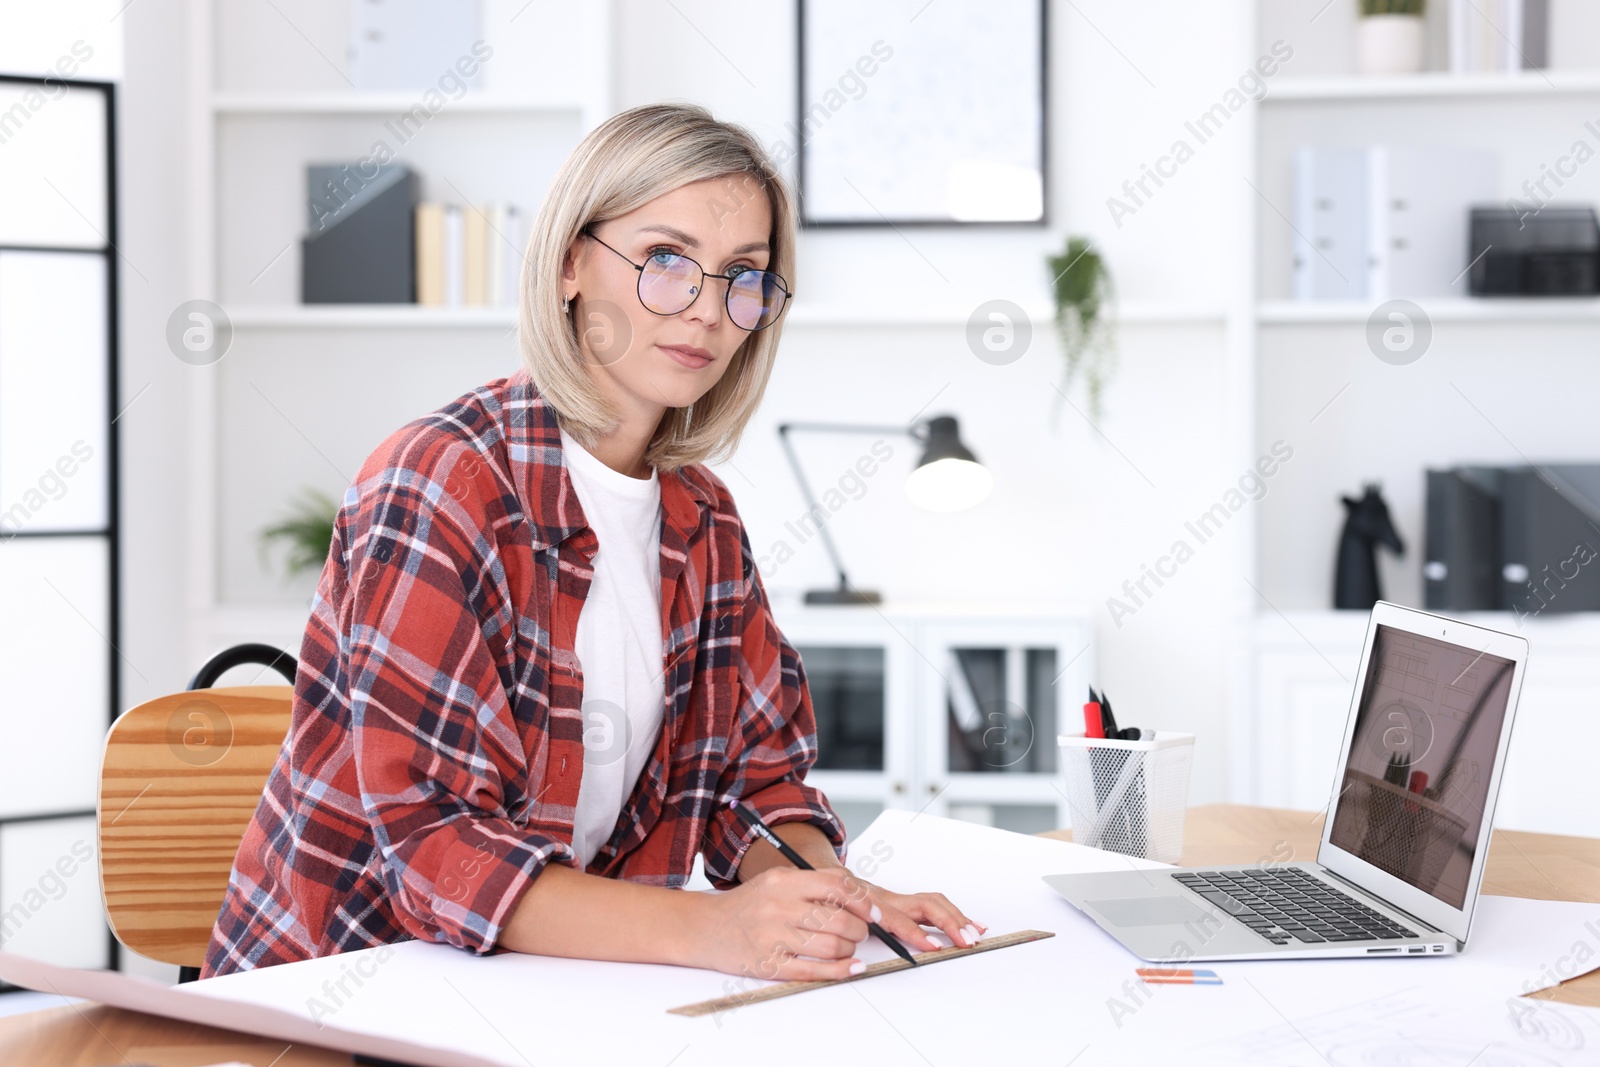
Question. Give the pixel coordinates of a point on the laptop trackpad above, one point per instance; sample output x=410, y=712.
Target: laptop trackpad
x=1149, y=911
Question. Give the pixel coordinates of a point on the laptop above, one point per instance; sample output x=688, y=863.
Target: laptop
x=1402, y=852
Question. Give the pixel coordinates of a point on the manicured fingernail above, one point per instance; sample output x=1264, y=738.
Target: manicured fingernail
x=877, y=914
x=858, y=967
x=972, y=934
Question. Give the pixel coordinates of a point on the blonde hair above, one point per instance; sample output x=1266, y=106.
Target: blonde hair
x=625, y=162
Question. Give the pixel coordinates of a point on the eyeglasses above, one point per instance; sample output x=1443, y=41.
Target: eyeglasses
x=669, y=283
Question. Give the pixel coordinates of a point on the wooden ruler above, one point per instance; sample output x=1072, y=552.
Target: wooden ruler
x=786, y=989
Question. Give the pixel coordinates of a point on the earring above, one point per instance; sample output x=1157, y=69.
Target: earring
x=563, y=305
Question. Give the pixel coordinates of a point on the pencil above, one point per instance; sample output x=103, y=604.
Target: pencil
x=756, y=823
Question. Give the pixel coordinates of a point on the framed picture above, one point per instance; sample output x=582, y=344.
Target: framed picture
x=919, y=113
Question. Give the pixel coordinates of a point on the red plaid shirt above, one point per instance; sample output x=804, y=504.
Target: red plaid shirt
x=432, y=765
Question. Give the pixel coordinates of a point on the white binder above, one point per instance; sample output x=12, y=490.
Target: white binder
x=1418, y=201
x=1330, y=256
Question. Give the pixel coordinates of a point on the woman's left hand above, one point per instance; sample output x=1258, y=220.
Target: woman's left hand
x=905, y=915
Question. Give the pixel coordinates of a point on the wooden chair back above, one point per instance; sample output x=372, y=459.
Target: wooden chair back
x=179, y=781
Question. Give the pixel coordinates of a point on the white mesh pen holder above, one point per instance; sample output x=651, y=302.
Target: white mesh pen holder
x=1128, y=796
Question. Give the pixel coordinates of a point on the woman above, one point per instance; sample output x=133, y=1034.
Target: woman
x=540, y=661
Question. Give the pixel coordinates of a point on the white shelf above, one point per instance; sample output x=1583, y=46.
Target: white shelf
x=364, y=316
x=1441, y=309
x=358, y=316
x=1434, y=84
x=386, y=102
x=956, y=313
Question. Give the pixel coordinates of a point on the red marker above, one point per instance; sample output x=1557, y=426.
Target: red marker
x=1093, y=724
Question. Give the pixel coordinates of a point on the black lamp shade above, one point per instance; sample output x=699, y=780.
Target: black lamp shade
x=944, y=442
x=948, y=477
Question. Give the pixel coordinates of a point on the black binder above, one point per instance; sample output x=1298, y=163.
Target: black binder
x=1463, y=562
x=1551, y=538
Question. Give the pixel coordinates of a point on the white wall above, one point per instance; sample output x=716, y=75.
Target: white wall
x=1075, y=511
x=156, y=228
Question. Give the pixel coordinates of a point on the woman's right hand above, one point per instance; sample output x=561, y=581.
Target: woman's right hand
x=789, y=924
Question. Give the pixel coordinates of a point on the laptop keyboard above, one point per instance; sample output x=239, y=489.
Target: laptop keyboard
x=1286, y=903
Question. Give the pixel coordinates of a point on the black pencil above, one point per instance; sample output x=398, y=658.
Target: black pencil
x=756, y=823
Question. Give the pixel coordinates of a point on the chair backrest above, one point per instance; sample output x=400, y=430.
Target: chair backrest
x=179, y=780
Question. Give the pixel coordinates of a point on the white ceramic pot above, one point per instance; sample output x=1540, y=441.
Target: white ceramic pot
x=1389, y=44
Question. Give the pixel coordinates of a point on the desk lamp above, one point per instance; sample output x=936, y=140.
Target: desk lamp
x=948, y=477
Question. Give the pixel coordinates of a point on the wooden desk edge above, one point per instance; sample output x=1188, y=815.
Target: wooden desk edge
x=1541, y=866
x=1521, y=863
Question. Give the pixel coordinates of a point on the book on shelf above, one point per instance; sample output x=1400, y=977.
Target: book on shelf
x=358, y=242
x=505, y=254
x=454, y=243
x=1487, y=36
x=468, y=256
x=430, y=254
x=474, y=258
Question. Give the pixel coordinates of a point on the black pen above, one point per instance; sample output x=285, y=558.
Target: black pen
x=755, y=823
x=1110, y=719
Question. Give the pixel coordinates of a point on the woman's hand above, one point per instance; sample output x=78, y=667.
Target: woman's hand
x=796, y=925
x=789, y=924
x=905, y=915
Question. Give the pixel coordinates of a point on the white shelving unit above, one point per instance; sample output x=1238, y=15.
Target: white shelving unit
x=1543, y=83
x=385, y=102
x=251, y=130
x=1501, y=383
x=367, y=316
x=1488, y=310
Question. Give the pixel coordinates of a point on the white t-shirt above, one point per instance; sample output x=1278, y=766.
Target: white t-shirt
x=618, y=642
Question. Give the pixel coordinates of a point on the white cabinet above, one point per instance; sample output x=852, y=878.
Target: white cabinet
x=952, y=712
x=1305, y=666
x=1305, y=673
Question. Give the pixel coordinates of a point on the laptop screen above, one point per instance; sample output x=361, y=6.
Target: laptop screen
x=1417, y=778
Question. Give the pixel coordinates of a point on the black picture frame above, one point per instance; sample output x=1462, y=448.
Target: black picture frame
x=111, y=532
x=809, y=221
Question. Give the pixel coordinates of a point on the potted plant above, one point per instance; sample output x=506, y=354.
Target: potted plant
x=1080, y=284
x=1389, y=37
x=308, y=531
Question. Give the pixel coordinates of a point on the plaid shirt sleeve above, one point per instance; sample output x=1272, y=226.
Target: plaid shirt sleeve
x=434, y=740
x=773, y=744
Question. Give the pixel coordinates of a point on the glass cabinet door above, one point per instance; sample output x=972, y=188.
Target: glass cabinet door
x=847, y=687
x=859, y=675
x=995, y=695
x=946, y=714
x=1000, y=711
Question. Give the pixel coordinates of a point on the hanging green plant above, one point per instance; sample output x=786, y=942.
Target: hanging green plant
x=1392, y=7
x=1081, y=287
x=308, y=531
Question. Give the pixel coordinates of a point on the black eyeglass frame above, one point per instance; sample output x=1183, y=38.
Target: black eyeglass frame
x=726, y=293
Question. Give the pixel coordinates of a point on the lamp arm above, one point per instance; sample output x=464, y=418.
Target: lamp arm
x=812, y=507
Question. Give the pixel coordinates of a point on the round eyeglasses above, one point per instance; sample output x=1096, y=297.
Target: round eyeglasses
x=669, y=283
